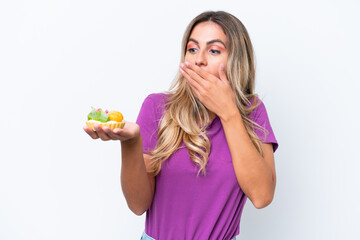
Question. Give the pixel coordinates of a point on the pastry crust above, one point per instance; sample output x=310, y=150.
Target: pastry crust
x=112, y=125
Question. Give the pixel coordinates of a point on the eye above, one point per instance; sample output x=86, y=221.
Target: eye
x=214, y=51
x=192, y=50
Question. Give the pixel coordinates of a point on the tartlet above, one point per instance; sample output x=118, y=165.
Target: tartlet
x=112, y=119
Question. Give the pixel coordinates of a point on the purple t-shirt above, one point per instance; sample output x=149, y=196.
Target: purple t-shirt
x=187, y=206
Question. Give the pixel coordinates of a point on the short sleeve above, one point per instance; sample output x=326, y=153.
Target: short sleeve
x=148, y=120
x=260, y=116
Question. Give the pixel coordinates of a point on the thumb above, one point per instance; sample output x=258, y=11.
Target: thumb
x=222, y=73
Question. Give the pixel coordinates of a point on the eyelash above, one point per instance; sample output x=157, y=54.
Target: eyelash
x=212, y=51
x=192, y=50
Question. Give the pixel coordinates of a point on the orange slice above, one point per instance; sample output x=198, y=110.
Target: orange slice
x=115, y=116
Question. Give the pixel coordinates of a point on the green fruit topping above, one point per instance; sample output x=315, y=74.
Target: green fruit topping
x=98, y=115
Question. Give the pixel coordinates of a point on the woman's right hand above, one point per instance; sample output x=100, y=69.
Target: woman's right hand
x=130, y=132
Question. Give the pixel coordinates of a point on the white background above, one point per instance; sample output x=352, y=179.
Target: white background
x=58, y=58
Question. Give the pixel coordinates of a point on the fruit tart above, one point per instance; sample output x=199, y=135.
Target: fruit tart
x=112, y=119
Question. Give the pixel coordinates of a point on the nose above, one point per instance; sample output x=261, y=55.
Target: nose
x=200, y=59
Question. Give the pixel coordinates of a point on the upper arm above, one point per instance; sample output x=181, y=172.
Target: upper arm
x=265, y=132
x=269, y=158
x=150, y=175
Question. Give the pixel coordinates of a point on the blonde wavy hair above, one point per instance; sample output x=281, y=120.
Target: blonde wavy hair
x=184, y=113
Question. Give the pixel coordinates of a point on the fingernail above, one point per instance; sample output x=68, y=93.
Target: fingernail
x=181, y=65
x=187, y=64
x=182, y=71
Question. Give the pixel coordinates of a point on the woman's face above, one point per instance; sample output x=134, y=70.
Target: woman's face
x=207, y=47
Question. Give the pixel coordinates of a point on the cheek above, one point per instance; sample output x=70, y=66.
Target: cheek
x=189, y=58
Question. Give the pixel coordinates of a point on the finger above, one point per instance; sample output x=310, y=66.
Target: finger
x=200, y=72
x=91, y=133
x=193, y=75
x=193, y=84
x=102, y=135
x=222, y=73
x=196, y=93
x=114, y=135
x=194, y=90
x=119, y=133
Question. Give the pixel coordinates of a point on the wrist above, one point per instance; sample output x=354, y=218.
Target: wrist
x=230, y=114
x=132, y=141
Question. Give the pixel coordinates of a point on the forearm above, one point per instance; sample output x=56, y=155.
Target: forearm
x=134, y=178
x=254, y=175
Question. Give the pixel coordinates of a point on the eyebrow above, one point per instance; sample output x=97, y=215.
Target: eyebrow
x=209, y=42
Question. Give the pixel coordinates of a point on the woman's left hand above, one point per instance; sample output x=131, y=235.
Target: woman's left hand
x=215, y=93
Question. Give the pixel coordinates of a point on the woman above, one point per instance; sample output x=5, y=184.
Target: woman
x=197, y=152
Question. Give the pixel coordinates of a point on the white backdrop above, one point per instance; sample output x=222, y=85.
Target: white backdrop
x=58, y=58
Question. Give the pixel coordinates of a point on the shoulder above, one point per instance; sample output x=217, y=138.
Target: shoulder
x=157, y=98
x=260, y=116
x=259, y=108
x=154, y=104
